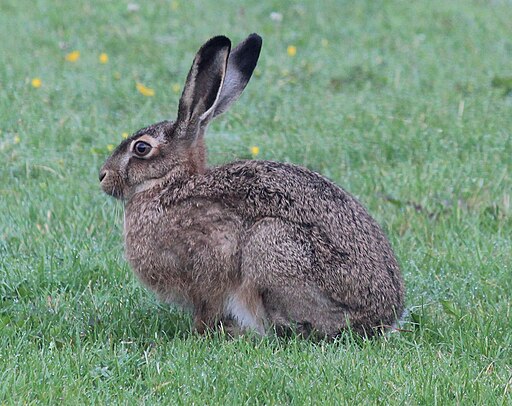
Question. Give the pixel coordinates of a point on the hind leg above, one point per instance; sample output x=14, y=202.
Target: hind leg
x=304, y=310
x=278, y=258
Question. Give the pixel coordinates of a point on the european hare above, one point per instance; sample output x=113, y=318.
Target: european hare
x=254, y=245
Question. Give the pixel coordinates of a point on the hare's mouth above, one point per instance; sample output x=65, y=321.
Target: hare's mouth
x=110, y=186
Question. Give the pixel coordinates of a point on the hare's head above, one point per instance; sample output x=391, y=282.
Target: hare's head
x=176, y=148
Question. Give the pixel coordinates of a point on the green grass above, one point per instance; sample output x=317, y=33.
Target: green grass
x=406, y=105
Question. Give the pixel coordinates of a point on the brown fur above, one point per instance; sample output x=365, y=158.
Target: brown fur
x=251, y=244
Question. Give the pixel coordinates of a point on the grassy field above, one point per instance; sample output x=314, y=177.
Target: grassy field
x=408, y=105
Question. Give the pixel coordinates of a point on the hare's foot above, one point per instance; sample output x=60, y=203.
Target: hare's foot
x=206, y=317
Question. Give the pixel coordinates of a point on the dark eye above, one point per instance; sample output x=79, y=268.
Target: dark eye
x=141, y=148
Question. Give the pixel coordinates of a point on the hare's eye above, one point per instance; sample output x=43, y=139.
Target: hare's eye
x=141, y=148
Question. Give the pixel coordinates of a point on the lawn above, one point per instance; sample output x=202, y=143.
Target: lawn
x=408, y=105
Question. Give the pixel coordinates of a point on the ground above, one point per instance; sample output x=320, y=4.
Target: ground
x=405, y=104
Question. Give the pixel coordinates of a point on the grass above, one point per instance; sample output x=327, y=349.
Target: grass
x=406, y=105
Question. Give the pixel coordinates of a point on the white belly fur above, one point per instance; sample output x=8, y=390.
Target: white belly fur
x=247, y=318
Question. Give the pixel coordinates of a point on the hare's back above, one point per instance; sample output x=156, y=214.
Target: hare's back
x=259, y=189
x=291, y=192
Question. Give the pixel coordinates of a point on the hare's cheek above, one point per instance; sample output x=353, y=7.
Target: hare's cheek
x=137, y=171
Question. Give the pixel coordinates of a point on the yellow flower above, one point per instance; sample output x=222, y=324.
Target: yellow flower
x=124, y=135
x=73, y=56
x=145, y=91
x=255, y=150
x=110, y=147
x=103, y=58
x=292, y=50
x=176, y=87
x=17, y=139
x=36, y=82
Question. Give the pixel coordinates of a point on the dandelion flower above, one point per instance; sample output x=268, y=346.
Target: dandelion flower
x=110, y=147
x=176, y=87
x=73, y=56
x=255, y=150
x=145, y=91
x=36, y=82
x=17, y=139
x=124, y=135
x=103, y=58
x=291, y=50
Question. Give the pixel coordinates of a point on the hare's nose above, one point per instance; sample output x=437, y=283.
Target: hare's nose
x=103, y=173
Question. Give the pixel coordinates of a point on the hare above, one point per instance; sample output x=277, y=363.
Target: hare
x=251, y=245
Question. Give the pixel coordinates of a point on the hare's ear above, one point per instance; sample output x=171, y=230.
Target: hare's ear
x=203, y=86
x=241, y=64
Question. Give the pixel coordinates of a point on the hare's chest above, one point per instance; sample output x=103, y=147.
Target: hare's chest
x=149, y=248
x=171, y=248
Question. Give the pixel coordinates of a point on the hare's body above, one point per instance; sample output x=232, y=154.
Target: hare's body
x=252, y=244
x=329, y=264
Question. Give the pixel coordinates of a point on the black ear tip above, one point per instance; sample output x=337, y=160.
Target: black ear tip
x=255, y=38
x=246, y=54
x=213, y=48
x=220, y=41
x=254, y=41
